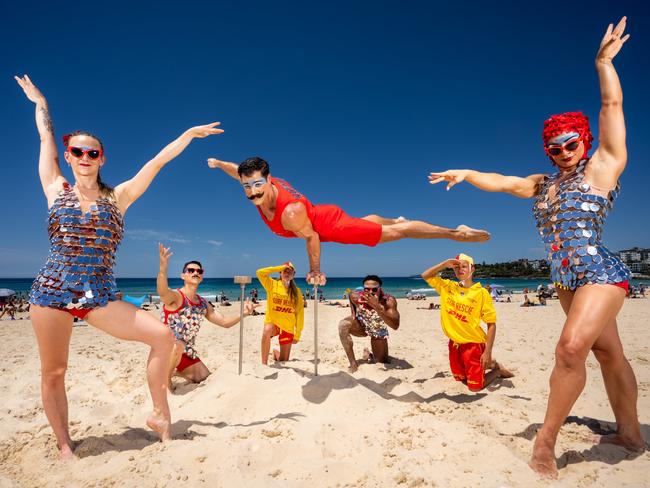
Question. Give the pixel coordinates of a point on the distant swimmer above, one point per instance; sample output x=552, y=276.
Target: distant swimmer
x=183, y=311
x=463, y=305
x=290, y=214
x=373, y=312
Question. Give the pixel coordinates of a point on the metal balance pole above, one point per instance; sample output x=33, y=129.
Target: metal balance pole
x=315, y=329
x=242, y=281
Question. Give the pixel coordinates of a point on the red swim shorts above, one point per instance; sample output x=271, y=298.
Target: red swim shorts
x=465, y=363
x=186, y=362
x=285, y=337
x=334, y=225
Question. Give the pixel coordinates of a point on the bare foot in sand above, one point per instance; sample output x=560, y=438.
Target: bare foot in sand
x=160, y=425
x=543, y=459
x=467, y=234
x=368, y=356
x=634, y=445
x=276, y=355
x=353, y=367
x=66, y=453
x=503, y=372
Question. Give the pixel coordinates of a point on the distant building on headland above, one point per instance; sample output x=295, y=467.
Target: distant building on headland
x=637, y=259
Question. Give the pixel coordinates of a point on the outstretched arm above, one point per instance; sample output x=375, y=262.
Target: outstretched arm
x=128, y=192
x=611, y=156
x=295, y=219
x=492, y=182
x=171, y=298
x=48, y=162
x=219, y=319
x=229, y=168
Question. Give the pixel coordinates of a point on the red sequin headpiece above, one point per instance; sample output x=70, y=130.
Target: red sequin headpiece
x=568, y=122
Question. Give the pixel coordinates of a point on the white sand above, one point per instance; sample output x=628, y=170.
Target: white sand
x=405, y=424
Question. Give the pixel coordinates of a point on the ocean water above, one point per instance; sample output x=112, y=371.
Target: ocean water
x=335, y=288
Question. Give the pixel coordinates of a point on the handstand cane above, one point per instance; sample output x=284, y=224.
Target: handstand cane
x=242, y=280
x=315, y=329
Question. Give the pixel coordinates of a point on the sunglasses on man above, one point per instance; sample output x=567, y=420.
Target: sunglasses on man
x=194, y=270
x=556, y=150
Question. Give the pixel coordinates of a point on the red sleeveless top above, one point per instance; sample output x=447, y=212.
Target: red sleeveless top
x=286, y=195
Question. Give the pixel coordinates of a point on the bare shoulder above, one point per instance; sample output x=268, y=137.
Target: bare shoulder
x=52, y=190
x=603, y=169
x=391, y=302
x=294, y=209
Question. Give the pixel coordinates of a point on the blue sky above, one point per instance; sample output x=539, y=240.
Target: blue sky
x=352, y=102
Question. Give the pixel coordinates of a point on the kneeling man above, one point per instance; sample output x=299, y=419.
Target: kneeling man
x=373, y=311
x=183, y=311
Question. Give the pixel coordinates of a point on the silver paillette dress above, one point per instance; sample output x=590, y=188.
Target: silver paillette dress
x=571, y=226
x=78, y=272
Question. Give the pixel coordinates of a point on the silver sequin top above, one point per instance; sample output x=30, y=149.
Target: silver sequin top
x=571, y=226
x=185, y=321
x=78, y=272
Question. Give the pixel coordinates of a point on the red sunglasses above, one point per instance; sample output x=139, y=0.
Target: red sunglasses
x=556, y=150
x=78, y=152
x=194, y=270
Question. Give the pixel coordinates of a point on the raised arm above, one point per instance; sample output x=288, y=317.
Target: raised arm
x=171, y=298
x=493, y=182
x=264, y=275
x=435, y=270
x=128, y=192
x=295, y=219
x=229, y=168
x=48, y=162
x=611, y=156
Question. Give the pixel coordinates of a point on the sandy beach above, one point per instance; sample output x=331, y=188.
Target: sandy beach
x=402, y=424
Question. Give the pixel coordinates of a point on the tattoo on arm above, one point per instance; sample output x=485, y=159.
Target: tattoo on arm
x=47, y=120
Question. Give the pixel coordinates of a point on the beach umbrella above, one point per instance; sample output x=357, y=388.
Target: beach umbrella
x=6, y=292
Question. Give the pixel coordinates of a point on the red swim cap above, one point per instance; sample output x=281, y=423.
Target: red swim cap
x=568, y=122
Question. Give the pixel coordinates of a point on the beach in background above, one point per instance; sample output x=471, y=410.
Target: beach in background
x=404, y=424
x=334, y=290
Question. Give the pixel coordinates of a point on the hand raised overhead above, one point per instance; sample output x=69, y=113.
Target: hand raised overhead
x=33, y=93
x=612, y=41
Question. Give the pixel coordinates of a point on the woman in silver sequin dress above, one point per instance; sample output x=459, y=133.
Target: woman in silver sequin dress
x=85, y=227
x=570, y=209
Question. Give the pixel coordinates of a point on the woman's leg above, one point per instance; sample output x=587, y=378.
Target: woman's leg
x=621, y=387
x=269, y=331
x=592, y=308
x=53, y=329
x=285, y=350
x=125, y=321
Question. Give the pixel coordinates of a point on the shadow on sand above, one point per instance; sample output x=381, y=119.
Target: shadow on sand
x=136, y=439
x=604, y=453
x=318, y=389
